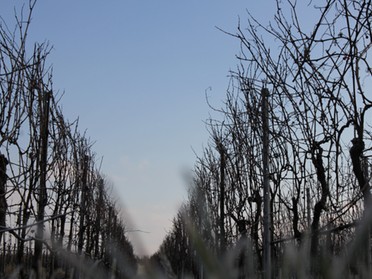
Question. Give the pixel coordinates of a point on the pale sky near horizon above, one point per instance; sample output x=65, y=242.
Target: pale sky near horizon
x=136, y=73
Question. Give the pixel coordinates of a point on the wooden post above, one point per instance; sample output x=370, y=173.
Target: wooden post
x=84, y=193
x=44, y=100
x=221, y=150
x=3, y=204
x=308, y=207
x=266, y=186
x=367, y=206
x=3, y=207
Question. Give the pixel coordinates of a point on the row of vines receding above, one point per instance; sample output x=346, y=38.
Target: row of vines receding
x=56, y=208
x=319, y=78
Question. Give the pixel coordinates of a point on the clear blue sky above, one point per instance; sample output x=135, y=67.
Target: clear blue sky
x=135, y=72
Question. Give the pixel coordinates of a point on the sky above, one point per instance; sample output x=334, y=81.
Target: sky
x=136, y=73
